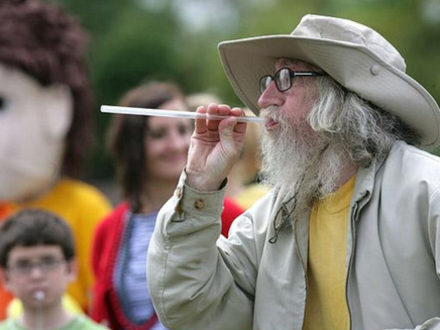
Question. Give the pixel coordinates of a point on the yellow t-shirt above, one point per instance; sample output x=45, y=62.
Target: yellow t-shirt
x=326, y=306
x=82, y=206
x=15, y=307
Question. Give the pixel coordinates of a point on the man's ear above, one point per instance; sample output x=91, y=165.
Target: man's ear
x=58, y=110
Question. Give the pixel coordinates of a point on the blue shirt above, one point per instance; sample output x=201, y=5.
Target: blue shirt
x=130, y=273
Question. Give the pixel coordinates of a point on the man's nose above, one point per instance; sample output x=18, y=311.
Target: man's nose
x=270, y=96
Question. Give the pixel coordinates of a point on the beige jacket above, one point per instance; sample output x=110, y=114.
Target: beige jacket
x=257, y=278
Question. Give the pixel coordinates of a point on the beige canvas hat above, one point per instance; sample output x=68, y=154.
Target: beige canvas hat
x=359, y=58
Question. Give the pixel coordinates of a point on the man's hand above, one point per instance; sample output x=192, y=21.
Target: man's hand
x=215, y=147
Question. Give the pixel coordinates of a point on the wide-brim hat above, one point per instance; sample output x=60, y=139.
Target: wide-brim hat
x=356, y=56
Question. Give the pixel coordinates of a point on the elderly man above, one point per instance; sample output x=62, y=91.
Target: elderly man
x=349, y=237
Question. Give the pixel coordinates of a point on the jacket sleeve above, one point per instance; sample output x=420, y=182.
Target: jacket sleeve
x=432, y=234
x=431, y=324
x=195, y=281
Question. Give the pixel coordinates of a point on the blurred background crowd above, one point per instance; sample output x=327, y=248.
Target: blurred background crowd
x=134, y=40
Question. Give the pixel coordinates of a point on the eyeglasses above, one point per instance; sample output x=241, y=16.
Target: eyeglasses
x=45, y=265
x=283, y=78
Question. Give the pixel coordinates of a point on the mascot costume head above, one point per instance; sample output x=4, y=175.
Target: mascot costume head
x=45, y=98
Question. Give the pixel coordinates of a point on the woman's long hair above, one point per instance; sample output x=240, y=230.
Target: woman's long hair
x=126, y=137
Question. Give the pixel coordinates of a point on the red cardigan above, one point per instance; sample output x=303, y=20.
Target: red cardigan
x=106, y=307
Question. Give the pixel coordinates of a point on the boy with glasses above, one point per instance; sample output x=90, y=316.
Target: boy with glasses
x=37, y=260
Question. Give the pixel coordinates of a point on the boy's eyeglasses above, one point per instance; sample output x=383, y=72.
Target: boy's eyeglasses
x=283, y=78
x=45, y=265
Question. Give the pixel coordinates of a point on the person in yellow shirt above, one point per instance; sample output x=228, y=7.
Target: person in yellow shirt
x=46, y=126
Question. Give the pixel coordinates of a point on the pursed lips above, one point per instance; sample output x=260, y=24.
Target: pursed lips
x=271, y=123
x=270, y=115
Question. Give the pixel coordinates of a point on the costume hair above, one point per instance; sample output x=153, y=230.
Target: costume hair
x=126, y=136
x=47, y=44
x=35, y=227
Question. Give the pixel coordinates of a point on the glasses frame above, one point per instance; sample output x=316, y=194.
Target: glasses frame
x=44, y=267
x=264, y=84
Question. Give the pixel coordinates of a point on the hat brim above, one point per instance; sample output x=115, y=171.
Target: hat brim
x=353, y=66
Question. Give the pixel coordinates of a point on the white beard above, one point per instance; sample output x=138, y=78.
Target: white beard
x=298, y=160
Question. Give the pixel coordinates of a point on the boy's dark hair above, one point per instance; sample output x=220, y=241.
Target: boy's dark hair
x=33, y=227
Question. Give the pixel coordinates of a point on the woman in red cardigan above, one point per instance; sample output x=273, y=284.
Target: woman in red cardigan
x=150, y=153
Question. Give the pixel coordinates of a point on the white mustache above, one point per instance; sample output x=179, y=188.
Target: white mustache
x=272, y=112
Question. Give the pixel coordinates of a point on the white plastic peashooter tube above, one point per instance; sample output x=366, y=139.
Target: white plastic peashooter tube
x=174, y=113
x=39, y=295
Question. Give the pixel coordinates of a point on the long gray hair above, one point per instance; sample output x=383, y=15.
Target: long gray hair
x=364, y=130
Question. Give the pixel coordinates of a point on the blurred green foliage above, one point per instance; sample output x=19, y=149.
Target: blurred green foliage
x=137, y=40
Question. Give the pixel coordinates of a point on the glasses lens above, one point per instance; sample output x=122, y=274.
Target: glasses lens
x=24, y=267
x=282, y=78
x=264, y=83
x=47, y=264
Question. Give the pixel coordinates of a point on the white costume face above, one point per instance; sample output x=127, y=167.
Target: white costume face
x=34, y=121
